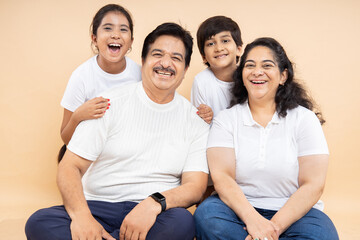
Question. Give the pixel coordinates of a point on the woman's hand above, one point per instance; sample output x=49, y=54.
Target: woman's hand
x=261, y=229
x=92, y=109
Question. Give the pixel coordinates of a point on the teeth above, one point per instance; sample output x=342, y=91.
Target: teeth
x=114, y=45
x=164, y=73
x=258, y=82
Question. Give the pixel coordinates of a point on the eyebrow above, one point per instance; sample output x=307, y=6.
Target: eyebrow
x=261, y=61
x=173, y=53
x=110, y=24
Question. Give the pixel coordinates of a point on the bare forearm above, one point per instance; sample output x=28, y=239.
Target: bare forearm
x=231, y=194
x=69, y=183
x=187, y=194
x=69, y=129
x=297, y=206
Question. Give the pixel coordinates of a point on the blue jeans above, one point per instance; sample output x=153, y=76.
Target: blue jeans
x=54, y=223
x=215, y=220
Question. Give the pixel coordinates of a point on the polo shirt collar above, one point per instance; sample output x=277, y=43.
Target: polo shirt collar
x=248, y=119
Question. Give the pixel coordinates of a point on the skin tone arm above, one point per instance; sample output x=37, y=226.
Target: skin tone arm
x=205, y=112
x=312, y=176
x=222, y=167
x=94, y=108
x=83, y=224
x=138, y=222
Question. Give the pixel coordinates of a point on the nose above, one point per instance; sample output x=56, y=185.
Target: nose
x=165, y=61
x=115, y=35
x=219, y=47
x=258, y=72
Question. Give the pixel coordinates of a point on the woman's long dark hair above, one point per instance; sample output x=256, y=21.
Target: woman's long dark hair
x=288, y=96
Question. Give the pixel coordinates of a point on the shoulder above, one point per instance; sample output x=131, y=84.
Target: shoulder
x=120, y=93
x=301, y=113
x=189, y=112
x=131, y=64
x=204, y=75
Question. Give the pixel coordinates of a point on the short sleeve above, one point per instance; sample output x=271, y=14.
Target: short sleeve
x=197, y=95
x=74, y=95
x=89, y=138
x=310, y=136
x=222, y=130
x=196, y=159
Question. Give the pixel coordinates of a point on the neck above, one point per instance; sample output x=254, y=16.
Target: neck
x=262, y=111
x=225, y=74
x=157, y=95
x=111, y=67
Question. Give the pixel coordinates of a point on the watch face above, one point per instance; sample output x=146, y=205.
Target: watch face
x=158, y=196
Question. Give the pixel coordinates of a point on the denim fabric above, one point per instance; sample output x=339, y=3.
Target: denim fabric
x=54, y=223
x=215, y=220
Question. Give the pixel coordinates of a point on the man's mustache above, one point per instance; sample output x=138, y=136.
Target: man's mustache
x=168, y=69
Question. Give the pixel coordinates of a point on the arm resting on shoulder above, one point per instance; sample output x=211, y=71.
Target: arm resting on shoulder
x=312, y=176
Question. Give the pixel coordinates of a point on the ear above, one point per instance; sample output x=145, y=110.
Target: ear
x=204, y=59
x=94, y=40
x=238, y=51
x=283, y=76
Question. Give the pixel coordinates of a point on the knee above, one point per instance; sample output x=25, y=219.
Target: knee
x=34, y=224
x=205, y=215
x=175, y=223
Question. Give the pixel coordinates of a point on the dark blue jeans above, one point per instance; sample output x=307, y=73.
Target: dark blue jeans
x=215, y=220
x=54, y=223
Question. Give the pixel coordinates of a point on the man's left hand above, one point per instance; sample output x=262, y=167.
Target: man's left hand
x=138, y=222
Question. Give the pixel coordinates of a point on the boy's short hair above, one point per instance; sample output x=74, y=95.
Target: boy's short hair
x=213, y=26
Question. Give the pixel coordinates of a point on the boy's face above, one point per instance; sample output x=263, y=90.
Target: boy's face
x=221, y=51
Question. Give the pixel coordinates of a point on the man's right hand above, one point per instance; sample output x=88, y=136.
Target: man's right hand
x=86, y=227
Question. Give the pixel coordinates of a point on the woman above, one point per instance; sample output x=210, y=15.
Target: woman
x=267, y=156
x=112, y=36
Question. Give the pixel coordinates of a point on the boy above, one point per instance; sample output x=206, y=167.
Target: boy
x=219, y=42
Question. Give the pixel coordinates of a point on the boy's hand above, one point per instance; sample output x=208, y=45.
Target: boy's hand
x=205, y=112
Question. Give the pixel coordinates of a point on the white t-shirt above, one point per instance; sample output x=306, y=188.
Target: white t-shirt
x=89, y=80
x=209, y=90
x=140, y=147
x=267, y=166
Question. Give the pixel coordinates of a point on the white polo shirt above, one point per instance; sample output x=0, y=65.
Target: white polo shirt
x=267, y=165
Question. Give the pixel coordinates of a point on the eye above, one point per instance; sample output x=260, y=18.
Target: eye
x=267, y=66
x=226, y=40
x=209, y=44
x=157, y=55
x=107, y=28
x=249, y=65
x=124, y=30
x=176, y=59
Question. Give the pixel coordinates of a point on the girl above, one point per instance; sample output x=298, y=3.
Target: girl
x=112, y=36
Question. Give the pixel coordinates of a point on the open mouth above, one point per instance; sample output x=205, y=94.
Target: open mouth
x=257, y=82
x=114, y=47
x=168, y=72
x=221, y=56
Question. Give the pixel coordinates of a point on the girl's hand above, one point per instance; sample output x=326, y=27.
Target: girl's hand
x=205, y=112
x=92, y=109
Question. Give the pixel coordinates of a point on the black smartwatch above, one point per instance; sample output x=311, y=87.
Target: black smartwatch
x=160, y=199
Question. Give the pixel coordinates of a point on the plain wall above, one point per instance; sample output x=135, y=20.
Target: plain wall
x=43, y=41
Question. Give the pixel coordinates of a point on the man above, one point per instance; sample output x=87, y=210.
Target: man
x=144, y=160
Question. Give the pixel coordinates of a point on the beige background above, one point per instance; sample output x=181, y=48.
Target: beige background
x=43, y=41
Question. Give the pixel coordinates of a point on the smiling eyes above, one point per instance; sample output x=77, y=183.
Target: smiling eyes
x=108, y=29
x=173, y=57
x=212, y=43
x=264, y=65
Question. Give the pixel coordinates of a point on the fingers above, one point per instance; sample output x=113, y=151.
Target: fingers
x=248, y=237
x=106, y=235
